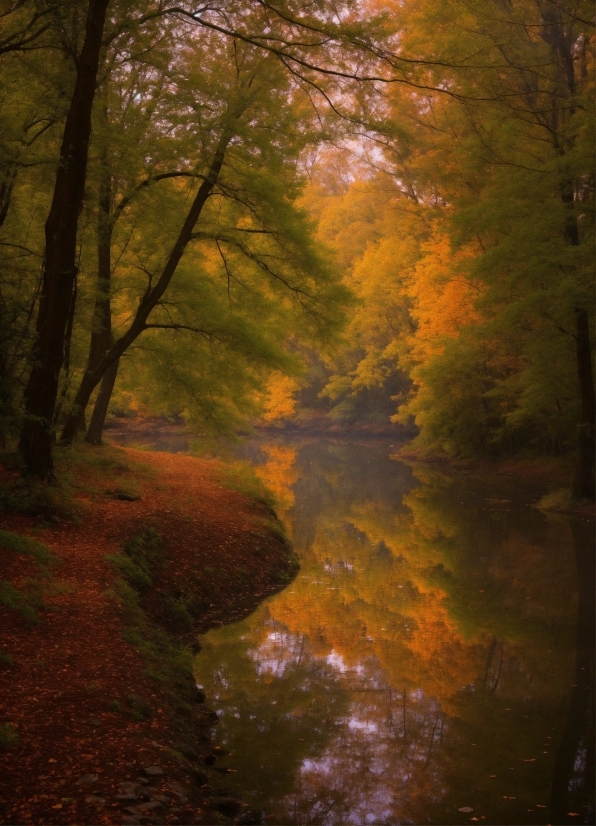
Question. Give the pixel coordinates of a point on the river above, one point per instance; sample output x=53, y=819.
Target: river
x=426, y=665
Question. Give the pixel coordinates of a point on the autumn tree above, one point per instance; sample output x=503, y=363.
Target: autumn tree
x=321, y=51
x=485, y=168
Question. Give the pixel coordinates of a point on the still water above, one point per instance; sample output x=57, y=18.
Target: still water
x=426, y=665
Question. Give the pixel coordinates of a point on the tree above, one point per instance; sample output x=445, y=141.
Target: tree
x=522, y=128
x=241, y=218
x=490, y=302
x=59, y=272
x=293, y=35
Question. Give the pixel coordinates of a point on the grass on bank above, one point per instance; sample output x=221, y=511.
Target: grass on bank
x=167, y=661
x=27, y=599
x=81, y=472
x=241, y=477
x=8, y=737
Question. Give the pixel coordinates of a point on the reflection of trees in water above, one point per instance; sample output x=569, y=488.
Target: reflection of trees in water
x=573, y=778
x=278, y=704
x=425, y=646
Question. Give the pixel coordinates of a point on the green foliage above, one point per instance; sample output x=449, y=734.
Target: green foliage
x=27, y=547
x=241, y=477
x=26, y=603
x=140, y=558
x=133, y=573
x=180, y=613
x=479, y=180
x=145, y=546
x=24, y=494
x=251, y=277
x=166, y=661
x=8, y=737
x=472, y=256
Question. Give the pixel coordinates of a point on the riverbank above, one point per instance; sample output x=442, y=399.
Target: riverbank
x=100, y=606
x=160, y=433
x=550, y=475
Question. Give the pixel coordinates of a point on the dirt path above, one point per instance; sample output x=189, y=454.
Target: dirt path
x=65, y=690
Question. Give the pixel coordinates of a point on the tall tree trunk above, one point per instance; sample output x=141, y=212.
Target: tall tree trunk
x=573, y=776
x=6, y=188
x=60, y=253
x=101, y=328
x=4, y=398
x=101, y=333
x=151, y=298
x=102, y=402
x=583, y=480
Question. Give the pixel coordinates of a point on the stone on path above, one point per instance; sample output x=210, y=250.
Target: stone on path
x=153, y=771
x=86, y=779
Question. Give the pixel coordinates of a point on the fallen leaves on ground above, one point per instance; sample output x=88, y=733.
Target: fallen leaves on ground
x=69, y=673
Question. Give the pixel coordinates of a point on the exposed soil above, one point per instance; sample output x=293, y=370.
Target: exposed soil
x=74, y=687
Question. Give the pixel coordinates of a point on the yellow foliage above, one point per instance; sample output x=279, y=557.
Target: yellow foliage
x=279, y=473
x=442, y=301
x=280, y=401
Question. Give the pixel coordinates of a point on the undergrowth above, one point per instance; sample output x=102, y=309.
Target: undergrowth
x=166, y=661
x=22, y=493
x=78, y=469
x=8, y=736
x=139, y=559
x=27, y=600
x=25, y=546
x=241, y=477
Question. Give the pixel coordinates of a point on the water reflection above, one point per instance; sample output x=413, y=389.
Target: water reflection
x=423, y=661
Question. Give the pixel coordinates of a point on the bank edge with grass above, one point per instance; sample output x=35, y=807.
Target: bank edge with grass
x=164, y=628
x=163, y=625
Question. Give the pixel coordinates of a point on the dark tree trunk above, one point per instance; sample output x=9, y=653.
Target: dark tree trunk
x=151, y=298
x=101, y=330
x=70, y=327
x=583, y=481
x=555, y=35
x=6, y=188
x=573, y=776
x=4, y=398
x=60, y=253
x=102, y=402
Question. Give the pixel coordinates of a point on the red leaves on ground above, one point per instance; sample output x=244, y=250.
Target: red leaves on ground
x=66, y=672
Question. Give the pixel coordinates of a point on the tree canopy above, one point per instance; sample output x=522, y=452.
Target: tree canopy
x=195, y=199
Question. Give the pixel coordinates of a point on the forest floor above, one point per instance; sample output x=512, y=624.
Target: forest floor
x=100, y=721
